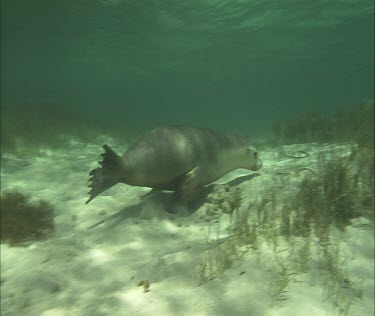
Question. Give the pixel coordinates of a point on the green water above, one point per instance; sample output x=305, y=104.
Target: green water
x=232, y=65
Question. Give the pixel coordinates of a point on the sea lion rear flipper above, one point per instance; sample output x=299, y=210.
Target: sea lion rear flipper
x=106, y=176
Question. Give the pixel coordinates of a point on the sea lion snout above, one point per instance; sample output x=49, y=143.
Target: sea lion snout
x=258, y=165
x=255, y=161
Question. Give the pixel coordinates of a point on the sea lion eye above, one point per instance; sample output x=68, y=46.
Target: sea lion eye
x=252, y=151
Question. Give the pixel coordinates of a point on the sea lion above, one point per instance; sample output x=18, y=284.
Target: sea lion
x=175, y=158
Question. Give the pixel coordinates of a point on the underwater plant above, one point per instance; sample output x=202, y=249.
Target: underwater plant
x=145, y=284
x=219, y=258
x=299, y=232
x=340, y=192
x=355, y=126
x=44, y=125
x=305, y=128
x=23, y=221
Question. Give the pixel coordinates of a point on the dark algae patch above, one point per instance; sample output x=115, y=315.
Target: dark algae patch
x=355, y=126
x=23, y=221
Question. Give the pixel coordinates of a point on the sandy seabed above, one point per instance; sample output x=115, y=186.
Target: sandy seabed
x=97, y=271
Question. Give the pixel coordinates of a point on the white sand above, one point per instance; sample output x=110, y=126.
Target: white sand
x=96, y=271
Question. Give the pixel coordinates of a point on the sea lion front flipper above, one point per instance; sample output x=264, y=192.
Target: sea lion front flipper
x=191, y=185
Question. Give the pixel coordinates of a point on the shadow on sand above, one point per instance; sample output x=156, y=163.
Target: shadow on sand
x=165, y=202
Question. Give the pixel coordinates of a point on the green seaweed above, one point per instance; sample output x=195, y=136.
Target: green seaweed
x=29, y=129
x=355, y=126
x=23, y=221
x=308, y=222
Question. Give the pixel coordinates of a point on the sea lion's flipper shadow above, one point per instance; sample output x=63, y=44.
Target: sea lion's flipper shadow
x=171, y=205
x=131, y=211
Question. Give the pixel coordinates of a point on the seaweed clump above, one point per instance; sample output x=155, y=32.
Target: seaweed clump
x=342, y=190
x=23, y=221
x=355, y=126
x=303, y=229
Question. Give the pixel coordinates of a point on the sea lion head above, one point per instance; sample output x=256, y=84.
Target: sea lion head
x=251, y=160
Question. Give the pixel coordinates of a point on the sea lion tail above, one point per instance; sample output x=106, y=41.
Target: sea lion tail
x=106, y=176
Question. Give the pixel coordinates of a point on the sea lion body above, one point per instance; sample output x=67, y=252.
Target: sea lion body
x=177, y=158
